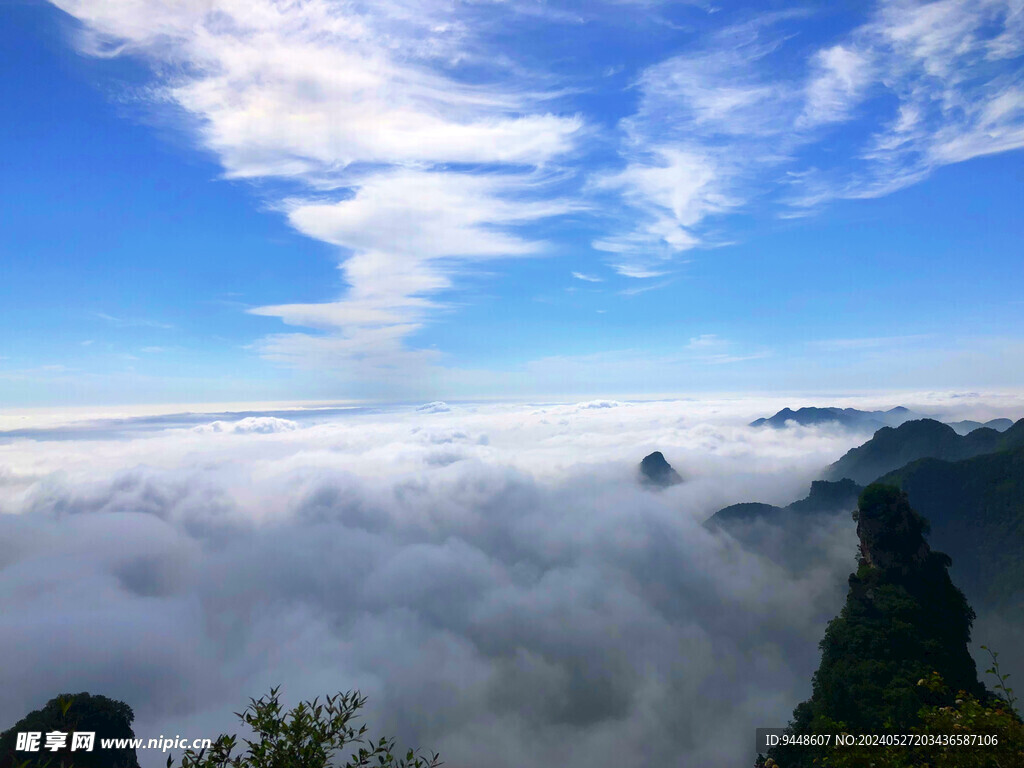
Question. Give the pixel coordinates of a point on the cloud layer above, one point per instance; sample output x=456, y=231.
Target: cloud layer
x=493, y=577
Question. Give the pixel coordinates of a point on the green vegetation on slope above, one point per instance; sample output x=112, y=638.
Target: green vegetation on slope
x=994, y=721
x=976, y=508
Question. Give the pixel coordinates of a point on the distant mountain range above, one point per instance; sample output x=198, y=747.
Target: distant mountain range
x=824, y=497
x=851, y=418
x=848, y=417
x=789, y=535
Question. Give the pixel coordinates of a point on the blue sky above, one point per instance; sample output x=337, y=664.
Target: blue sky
x=403, y=199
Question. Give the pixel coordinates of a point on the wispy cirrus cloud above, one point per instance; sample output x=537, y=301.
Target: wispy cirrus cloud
x=839, y=76
x=132, y=322
x=918, y=85
x=638, y=289
x=869, y=342
x=708, y=122
x=409, y=233
x=409, y=164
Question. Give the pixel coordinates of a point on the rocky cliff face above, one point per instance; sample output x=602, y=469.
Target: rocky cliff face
x=891, y=533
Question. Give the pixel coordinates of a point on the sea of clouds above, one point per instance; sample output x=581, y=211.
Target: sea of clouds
x=491, y=576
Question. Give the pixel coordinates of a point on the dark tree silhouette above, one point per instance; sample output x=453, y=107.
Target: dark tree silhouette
x=83, y=712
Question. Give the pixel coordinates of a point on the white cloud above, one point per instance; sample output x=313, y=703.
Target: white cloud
x=466, y=564
x=637, y=290
x=376, y=358
x=839, y=77
x=357, y=101
x=587, y=278
x=705, y=341
x=954, y=100
x=708, y=120
x=409, y=232
x=675, y=191
x=260, y=425
x=134, y=322
x=631, y=270
x=428, y=215
x=296, y=88
x=869, y=342
x=725, y=123
x=592, y=404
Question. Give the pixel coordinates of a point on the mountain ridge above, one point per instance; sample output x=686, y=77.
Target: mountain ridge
x=848, y=417
x=824, y=496
x=853, y=418
x=891, y=448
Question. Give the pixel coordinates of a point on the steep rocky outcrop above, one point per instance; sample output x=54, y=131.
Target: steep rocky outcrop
x=655, y=472
x=903, y=621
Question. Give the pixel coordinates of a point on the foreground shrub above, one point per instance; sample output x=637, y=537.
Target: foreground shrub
x=314, y=734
